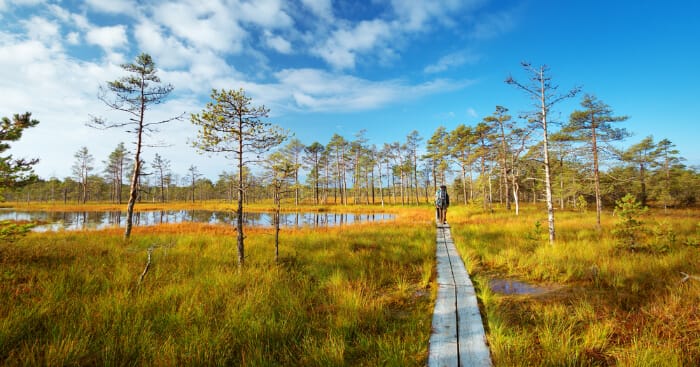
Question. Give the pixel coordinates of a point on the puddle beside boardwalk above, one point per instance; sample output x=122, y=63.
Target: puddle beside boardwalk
x=515, y=287
x=98, y=220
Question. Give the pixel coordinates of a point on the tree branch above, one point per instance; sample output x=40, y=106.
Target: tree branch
x=687, y=277
x=148, y=264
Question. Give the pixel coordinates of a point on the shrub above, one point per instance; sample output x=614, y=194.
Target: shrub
x=9, y=231
x=630, y=229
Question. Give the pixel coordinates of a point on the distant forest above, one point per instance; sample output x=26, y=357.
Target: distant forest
x=482, y=164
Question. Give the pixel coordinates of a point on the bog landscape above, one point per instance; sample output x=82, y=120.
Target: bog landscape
x=580, y=236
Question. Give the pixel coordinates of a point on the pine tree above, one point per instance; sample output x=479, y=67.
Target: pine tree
x=643, y=155
x=81, y=170
x=114, y=169
x=593, y=126
x=230, y=124
x=15, y=172
x=135, y=94
x=313, y=162
x=162, y=169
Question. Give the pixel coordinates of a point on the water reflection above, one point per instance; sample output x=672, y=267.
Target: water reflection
x=515, y=287
x=98, y=220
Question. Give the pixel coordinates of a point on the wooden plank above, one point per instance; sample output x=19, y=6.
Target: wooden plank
x=458, y=337
x=443, y=339
x=473, y=350
x=443, y=350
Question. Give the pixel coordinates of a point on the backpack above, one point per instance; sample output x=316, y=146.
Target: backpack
x=441, y=198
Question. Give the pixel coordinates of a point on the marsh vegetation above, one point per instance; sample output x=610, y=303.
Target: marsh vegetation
x=352, y=295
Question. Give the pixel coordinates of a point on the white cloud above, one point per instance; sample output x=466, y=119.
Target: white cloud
x=266, y=13
x=342, y=48
x=41, y=29
x=278, y=43
x=59, y=91
x=417, y=15
x=320, y=8
x=112, y=6
x=108, y=38
x=168, y=50
x=452, y=60
x=471, y=112
x=70, y=19
x=380, y=37
x=26, y=2
x=318, y=90
x=73, y=38
x=204, y=25
x=493, y=25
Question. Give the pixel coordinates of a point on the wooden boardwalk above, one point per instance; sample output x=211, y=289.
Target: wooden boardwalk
x=457, y=337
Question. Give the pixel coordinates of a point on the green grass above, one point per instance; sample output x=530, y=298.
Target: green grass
x=352, y=296
x=608, y=305
x=360, y=295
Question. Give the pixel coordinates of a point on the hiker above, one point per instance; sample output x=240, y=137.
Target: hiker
x=442, y=202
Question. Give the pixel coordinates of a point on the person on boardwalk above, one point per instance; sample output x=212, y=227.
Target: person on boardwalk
x=442, y=202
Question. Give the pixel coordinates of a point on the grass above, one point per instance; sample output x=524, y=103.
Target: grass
x=608, y=305
x=359, y=295
x=356, y=295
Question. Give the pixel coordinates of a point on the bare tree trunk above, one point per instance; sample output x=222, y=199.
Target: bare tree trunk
x=596, y=175
x=516, y=199
x=548, y=177
x=344, y=183
x=403, y=194
x=239, y=210
x=84, y=186
x=381, y=183
x=471, y=182
x=561, y=183
x=504, y=163
x=483, y=183
x=371, y=184
x=120, y=181
x=643, y=183
x=277, y=224
x=296, y=187
x=393, y=187
x=464, y=184
x=415, y=174
x=134, y=189
x=490, y=191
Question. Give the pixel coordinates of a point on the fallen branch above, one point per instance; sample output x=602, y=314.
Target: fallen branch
x=148, y=264
x=687, y=277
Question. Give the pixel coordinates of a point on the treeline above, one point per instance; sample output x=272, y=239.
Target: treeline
x=494, y=161
x=500, y=159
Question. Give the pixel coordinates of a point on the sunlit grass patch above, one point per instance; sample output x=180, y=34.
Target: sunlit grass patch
x=611, y=305
x=356, y=295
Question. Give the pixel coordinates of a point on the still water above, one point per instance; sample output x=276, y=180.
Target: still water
x=54, y=221
x=515, y=287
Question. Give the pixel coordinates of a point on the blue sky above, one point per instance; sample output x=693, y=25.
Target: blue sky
x=325, y=67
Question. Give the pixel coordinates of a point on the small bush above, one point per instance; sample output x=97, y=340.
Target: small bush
x=630, y=229
x=582, y=204
x=9, y=231
x=536, y=235
x=664, y=237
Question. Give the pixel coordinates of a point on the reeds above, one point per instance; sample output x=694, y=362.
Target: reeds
x=607, y=304
x=356, y=295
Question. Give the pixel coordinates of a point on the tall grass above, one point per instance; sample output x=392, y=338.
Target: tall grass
x=347, y=296
x=607, y=305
